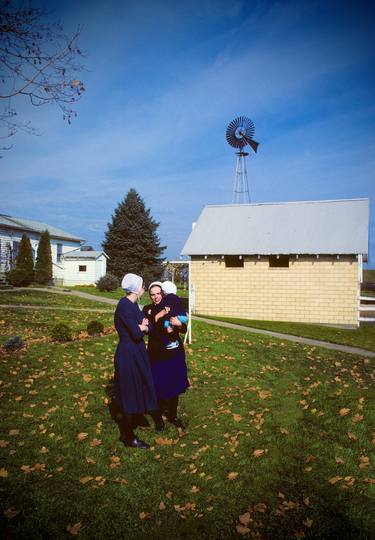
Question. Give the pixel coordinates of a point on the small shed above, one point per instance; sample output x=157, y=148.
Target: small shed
x=289, y=261
x=83, y=267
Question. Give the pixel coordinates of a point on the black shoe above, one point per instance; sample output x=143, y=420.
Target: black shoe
x=160, y=426
x=177, y=422
x=135, y=443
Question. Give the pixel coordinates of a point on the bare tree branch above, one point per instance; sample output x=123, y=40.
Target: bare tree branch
x=37, y=61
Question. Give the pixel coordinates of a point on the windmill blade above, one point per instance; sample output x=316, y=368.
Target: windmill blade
x=254, y=145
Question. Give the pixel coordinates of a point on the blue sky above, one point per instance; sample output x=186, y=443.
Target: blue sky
x=163, y=81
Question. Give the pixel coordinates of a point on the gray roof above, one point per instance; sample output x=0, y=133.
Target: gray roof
x=308, y=227
x=77, y=254
x=36, y=226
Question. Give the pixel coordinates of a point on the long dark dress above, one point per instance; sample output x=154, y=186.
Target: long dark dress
x=135, y=390
x=168, y=367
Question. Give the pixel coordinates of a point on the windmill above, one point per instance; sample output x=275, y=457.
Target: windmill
x=240, y=133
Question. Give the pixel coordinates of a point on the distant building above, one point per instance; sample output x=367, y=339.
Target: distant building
x=85, y=267
x=293, y=261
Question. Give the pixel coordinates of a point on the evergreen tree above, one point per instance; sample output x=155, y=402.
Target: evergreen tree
x=131, y=241
x=23, y=274
x=43, y=266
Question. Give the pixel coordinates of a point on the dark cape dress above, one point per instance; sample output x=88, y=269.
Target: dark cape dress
x=135, y=392
x=168, y=367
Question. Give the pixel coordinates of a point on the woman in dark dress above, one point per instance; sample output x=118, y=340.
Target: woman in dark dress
x=168, y=367
x=135, y=392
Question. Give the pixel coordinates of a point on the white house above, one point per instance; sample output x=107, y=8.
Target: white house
x=83, y=267
x=65, y=271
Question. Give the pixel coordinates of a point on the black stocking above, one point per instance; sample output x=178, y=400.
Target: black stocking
x=172, y=408
x=127, y=424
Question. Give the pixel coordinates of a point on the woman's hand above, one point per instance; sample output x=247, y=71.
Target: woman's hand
x=144, y=325
x=175, y=321
x=162, y=313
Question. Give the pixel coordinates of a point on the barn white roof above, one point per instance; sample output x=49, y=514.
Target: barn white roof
x=78, y=254
x=308, y=227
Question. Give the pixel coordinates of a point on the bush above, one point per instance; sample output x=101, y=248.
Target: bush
x=109, y=282
x=18, y=277
x=94, y=327
x=43, y=266
x=61, y=332
x=14, y=344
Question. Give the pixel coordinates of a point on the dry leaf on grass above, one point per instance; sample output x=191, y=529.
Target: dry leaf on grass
x=344, y=411
x=82, y=436
x=232, y=475
x=74, y=529
x=245, y=518
x=259, y=452
x=241, y=529
x=10, y=513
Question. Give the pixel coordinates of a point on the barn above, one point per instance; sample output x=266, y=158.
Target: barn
x=289, y=261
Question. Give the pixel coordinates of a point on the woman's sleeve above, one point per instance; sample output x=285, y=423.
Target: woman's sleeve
x=131, y=324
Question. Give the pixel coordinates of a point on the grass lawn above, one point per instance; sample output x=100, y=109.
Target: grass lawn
x=37, y=323
x=363, y=337
x=278, y=444
x=33, y=297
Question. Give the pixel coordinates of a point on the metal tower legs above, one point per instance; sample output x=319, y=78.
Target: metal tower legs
x=241, y=186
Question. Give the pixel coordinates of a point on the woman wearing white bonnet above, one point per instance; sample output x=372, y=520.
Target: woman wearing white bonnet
x=135, y=392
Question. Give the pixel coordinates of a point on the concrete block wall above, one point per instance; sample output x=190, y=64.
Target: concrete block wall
x=311, y=290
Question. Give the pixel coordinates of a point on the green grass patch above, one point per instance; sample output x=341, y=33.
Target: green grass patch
x=363, y=337
x=277, y=433
x=119, y=293
x=37, y=323
x=40, y=298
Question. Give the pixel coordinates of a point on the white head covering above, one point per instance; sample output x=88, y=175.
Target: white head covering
x=169, y=287
x=155, y=283
x=132, y=283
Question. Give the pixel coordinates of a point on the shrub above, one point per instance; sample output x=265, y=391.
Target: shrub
x=13, y=344
x=94, y=327
x=109, y=282
x=61, y=332
x=43, y=266
x=18, y=277
x=25, y=261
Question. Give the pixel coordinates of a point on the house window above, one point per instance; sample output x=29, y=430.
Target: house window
x=278, y=261
x=82, y=268
x=233, y=261
x=59, y=252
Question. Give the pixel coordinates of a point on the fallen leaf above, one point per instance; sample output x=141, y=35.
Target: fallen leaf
x=306, y=501
x=245, y=518
x=85, y=479
x=334, y=479
x=308, y=522
x=164, y=442
x=339, y=460
x=241, y=529
x=352, y=436
x=284, y=431
x=258, y=453
x=74, y=529
x=162, y=506
x=14, y=432
x=232, y=475
x=357, y=418
x=237, y=417
x=260, y=507
x=144, y=515
x=195, y=489
x=82, y=436
x=3, y=473
x=344, y=411
x=10, y=513
x=3, y=443
x=95, y=442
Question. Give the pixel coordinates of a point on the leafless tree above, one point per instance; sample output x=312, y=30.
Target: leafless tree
x=38, y=62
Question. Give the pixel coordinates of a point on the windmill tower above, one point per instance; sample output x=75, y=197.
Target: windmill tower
x=240, y=133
